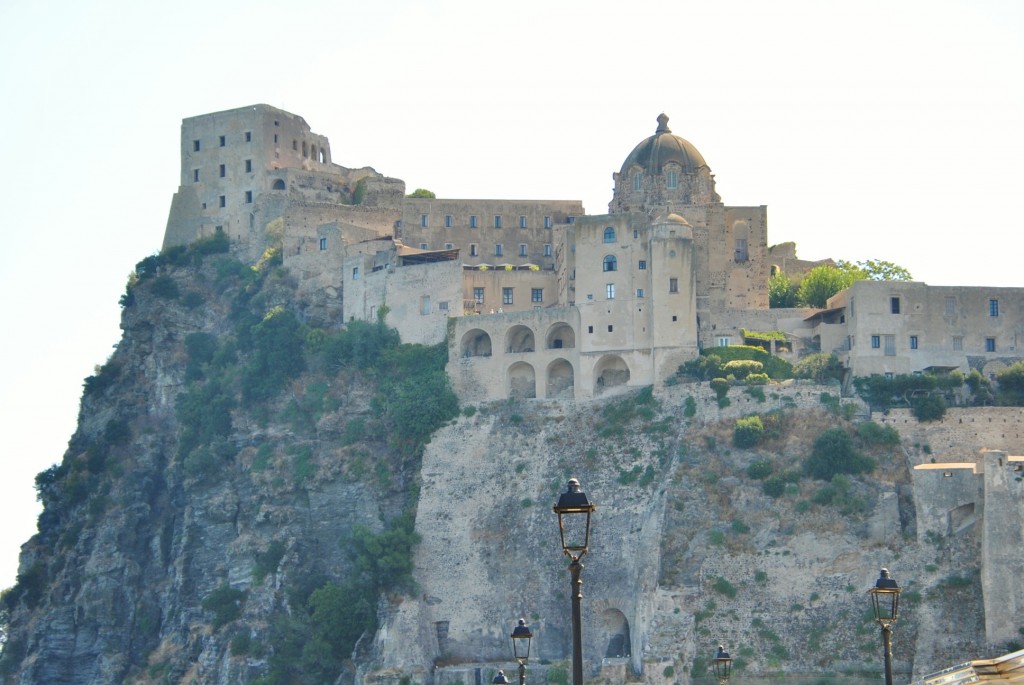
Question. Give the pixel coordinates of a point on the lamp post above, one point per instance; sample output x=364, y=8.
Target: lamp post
x=521, y=637
x=722, y=665
x=885, y=602
x=574, y=510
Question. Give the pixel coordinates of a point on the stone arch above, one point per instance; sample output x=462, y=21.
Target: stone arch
x=305, y=149
x=522, y=381
x=610, y=371
x=616, y=629
x=561, y=381
x=321, y=157
x=278, y=184
x=561, y=336
x=476, y=343
x=519, y=339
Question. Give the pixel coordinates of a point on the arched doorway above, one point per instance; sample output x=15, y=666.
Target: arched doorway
x=522, y=381
x=519, y=339
x=616, y=629
x=561, y=380
x=476, y=343
x=611, y=371
x=561, y=337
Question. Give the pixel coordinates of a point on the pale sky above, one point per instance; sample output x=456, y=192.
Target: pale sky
x=885, y=130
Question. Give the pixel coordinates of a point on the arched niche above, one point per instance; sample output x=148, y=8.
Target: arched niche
x=561, y=336
x=616, y=629
x=522, y=381
x=611, y=371
x=561, y=381
x=519, y=339
x=279, y=184
x=476, y=343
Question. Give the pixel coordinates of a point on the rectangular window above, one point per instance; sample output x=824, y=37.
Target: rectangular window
x=323, y=244
x=478, y=295
x=894, y=305
x=913, y=342
x=590, y=329
x=195, y=175
x=447, y=220
x=248, y=136
x=609, y=291
x=639, y=292
x=497, y=250
x=497, y=220
x=448, y=246
x=673, y=285
x=950, y=306
x=355, y=273
x=537, y=295
x=248, y=197
x=472, y=250
x=506, y=295
x=636, y=233
x=724, y=341
x=423, y=220
x=958, y=343
x=642, y=264
x=990, y=344
x=638, y=181
x=248, y=166
x=195, y=146
x=547, y=250
x=993, y=307
x=223, y=200
x=890, y=346
x=223, y=141
x=295, y=145
x=876, y=342
x=672, y=180
x=424, y=246
x=741, y=250
x=547, y=222
x=472, y=221
x=275, y=139
x=522, y=250
x=223, y=171
x=425, y=304
x=522, y=221
x=442, y=306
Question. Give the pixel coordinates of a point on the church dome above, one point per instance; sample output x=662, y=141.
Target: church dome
x=653, y=153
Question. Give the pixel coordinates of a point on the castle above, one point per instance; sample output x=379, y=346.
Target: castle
x=537, y=299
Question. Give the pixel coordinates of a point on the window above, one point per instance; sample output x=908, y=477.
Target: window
x=448, y=246
x=424, y=220
x=248, y=136
x=642, y=264
x=295, y=145
x=537, y=295
x=894, y=305
x=195, y=175
x=424, y=246
x=993, y=307
x=889, y=375
x=610, y=328
x=609, y=235
x=990, y=344
x=447, y=220
x=248, y=166
x=958, y=343
x=590, y=329
x=275, y=139
x=497, y=220
x=673, y=285
x=547, y=222
x=547, y=250
x=478, y=295
x=636, y=233
x=472, y=220
x=913, y=342
x=323, y=244
x=497, y=250
x=609, y=291
x=672, y=180
x=890, y=346
x=522, y=221
x=425, y=304
x=506, y=295
x=195, y=146
x=741, y=250
x=638, y=181
x=355, y=273
x=442, y=306
x=876, y=342
x=610, y=263
x=639, y=293
x=472, y=250
x=724, y=341
x=223, y=141
x=248, y=197
x=522, y=250
x=223, y=171
x=223, y=201
x=950, y=306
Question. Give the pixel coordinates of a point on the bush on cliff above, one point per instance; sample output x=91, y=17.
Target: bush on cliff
x=833, y=453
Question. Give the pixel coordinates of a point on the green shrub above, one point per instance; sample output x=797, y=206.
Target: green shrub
x=741, y=368
x=690, y=408
x=833, y=453
x=928, y=408
x=748, y=432
x=819, y=367
x=225, y=603
x=739, y=527
x=723, y=587
x=872, y=433
x=268, y=560
x=774, y=487
x=165, y=288
x=720, y=386
x=760, y=577
x=830, y=401
x=759, y=469
x=558, y=675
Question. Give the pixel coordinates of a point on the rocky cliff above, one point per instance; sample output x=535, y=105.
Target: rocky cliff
x=255, y=496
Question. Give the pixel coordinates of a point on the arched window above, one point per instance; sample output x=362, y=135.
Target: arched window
x=638, y=181
x=610, y=264
x=609, y=235
x=672, y=180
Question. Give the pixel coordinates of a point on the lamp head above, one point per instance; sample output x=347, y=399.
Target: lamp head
x=574, y=510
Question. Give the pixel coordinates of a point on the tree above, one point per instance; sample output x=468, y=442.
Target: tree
x=1011, y=385
x=875, y=270
x=833, y=453
x=819, y=367
x=821, y=283
x=422, y=192
x=782, y=291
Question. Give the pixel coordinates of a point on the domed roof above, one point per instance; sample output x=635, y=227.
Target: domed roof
x=653, y=153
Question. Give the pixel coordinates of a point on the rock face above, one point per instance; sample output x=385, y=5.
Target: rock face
x=177, y=546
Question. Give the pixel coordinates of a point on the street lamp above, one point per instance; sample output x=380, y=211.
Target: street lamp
x=885, y=602
x=722, y=664
x=521, y=637
x=574, y=510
